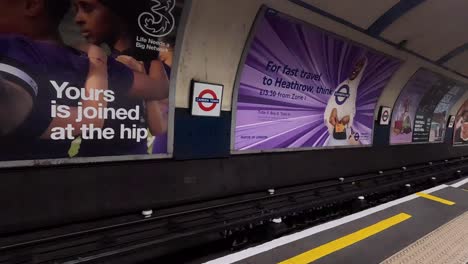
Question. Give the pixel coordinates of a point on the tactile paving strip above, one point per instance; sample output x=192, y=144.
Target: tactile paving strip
x=445, y=245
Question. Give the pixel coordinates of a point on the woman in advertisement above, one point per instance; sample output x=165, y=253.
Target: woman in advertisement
x=341, y=108
x=37, y=69
x=115, y=23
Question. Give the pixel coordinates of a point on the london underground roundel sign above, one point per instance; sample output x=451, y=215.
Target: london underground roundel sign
x=385, y=113
x=206, y=99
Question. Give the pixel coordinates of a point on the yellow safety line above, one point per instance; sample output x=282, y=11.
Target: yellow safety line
x=466, y=190
x=435, y=198
x=346, y=241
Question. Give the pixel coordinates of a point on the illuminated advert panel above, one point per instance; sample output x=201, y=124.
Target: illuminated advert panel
x=92, y=85
x=300, y=87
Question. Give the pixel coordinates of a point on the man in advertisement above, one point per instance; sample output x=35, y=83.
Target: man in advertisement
x=15, y=102
x=47, y=86
x=341, y=108
x=113, y=23
x=27, y=65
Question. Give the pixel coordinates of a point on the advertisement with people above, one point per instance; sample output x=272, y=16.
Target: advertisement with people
x=427, y=106
x=460, y=130
x=85, y=78
x=440, y=117
x=422, y=108
x=404, y=111
x=303, y=87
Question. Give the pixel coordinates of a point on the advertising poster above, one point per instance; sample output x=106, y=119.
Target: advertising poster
x=85, y=78
x=427, y=106
x=406, y=106
x=422, y=109
x=441, y=113
x=302, y=87
x=460, y=130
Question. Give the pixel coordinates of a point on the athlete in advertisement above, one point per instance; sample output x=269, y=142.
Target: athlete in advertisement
x=320, y=93
x=113, y=23
x=37, y=70
x=341, y=108
x=31, y=53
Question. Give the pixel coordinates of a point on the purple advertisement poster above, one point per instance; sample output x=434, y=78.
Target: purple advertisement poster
x=441, y=113
x=302, y=87
x=86, y=81
x=421, y=112
x=404, y=111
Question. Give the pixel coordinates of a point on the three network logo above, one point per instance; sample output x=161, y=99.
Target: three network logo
x=160, y=21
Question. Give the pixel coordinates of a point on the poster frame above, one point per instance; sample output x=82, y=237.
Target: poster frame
x=394, y=107
x=193, y=83
x=263, y=9
x=184, y=18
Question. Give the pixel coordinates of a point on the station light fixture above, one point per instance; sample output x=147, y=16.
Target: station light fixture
x=277, y=220
x=147, y=213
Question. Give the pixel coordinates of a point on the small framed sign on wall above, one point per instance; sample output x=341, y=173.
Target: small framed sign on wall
x=451, y=122
x=206, y=99
x=385, y=114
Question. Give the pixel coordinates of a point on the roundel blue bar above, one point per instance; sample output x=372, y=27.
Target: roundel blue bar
x=342, y=94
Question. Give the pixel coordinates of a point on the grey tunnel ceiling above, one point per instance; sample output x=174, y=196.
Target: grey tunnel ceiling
x=435, y=29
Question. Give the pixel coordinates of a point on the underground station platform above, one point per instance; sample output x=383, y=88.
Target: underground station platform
x=233, y=131
x=427, y=227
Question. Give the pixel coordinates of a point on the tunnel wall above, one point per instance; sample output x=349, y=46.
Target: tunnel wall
x=216, y=58
x=33, y=197
x=202, y=167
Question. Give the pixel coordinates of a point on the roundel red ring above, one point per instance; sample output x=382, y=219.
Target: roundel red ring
x=213, y=105
x=385, y=115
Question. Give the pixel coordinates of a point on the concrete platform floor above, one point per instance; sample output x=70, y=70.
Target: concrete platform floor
x=383, y=234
